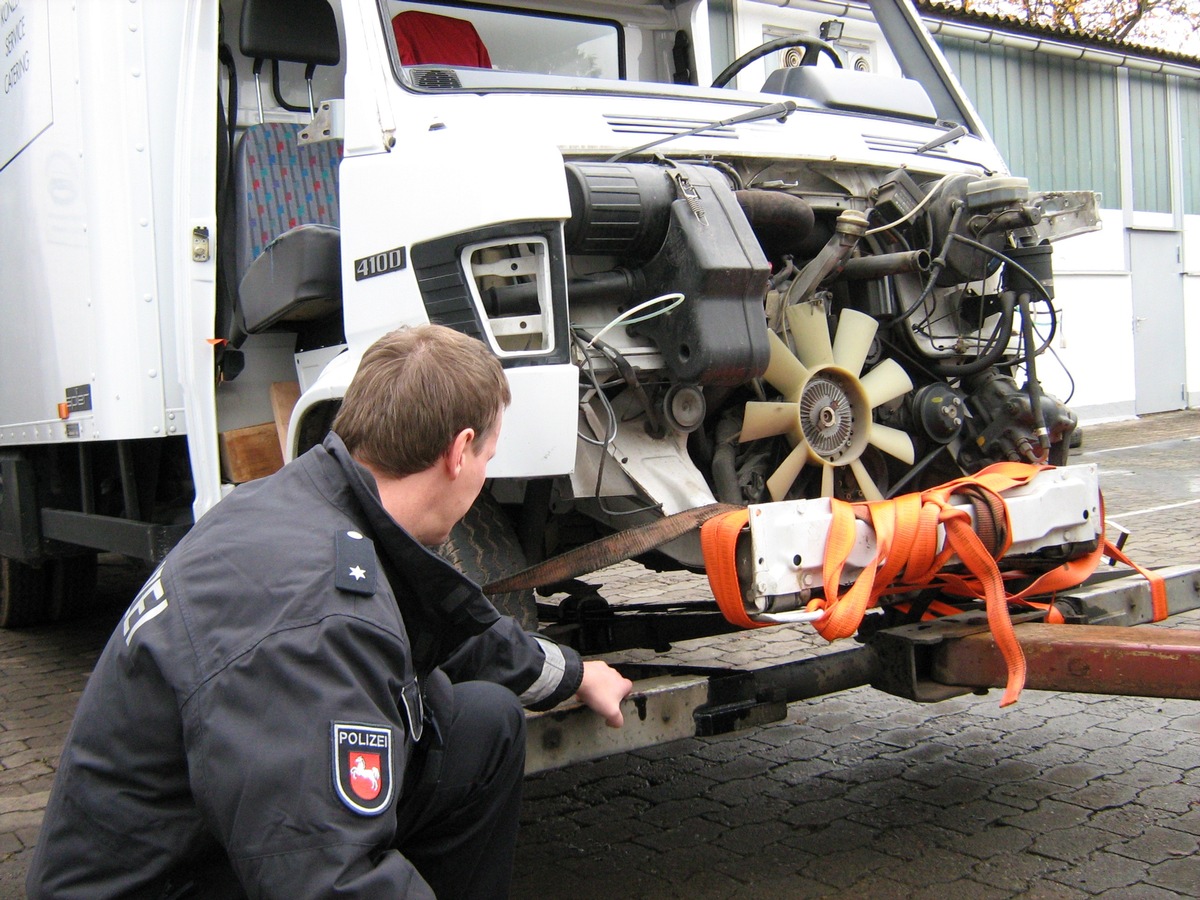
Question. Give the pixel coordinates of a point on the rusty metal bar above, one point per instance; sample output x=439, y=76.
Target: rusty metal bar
x=1093, y=659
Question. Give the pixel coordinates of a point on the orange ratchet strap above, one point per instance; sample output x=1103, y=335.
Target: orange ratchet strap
x=906, y=536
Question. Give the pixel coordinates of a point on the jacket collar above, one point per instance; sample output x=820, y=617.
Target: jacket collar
x=416, y=573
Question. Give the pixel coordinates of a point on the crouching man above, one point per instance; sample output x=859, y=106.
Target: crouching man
x=305, y=701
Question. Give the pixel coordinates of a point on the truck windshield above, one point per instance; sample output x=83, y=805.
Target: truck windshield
x=507, y=40
x=862, y=57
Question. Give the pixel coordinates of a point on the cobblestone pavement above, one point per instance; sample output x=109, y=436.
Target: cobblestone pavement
x=856, y=795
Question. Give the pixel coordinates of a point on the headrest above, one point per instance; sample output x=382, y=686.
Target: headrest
x=300, y=31
x=423, y=38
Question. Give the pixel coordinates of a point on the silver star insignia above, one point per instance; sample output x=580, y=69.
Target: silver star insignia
x=357, y=573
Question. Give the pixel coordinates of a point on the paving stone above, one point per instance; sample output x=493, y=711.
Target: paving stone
x=831, y=835
x=1073, y=845
x=672, y=811
x=897, y=814
x=25, y=772
x=877, y=887
x=802, y=771
x=819, y=813
x=796, y=886
x=955, y=791
x=1050, y=891
x=1128, y=820
x=1138, y=892
x=938, y=866
x=1180, y=875
x=937, y=771
x=1000, y=770
x=1026, y=795
x=688, y=833
x=1096, y=738
x=1075, y=775
x=753, y=809
x=973, y=816
x=1156, y=845
x=1103, y=872
x=843, y=867
x=1098, y=795
x=997, y=840
x=1189, y=821
x=966, y=888
x=912, y=842
x=1053, y=754
x=1177, y=757
x=1176, y=798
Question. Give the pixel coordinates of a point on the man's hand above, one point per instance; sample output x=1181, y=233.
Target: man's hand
x=602, y=690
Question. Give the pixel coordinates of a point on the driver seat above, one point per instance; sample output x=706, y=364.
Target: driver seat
x=288, y=259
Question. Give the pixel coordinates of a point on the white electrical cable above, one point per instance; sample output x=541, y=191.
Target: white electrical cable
x=912, y=212
x=626, y=317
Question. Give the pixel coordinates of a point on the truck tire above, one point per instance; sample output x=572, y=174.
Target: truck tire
x=71, y=586
x=484, y=547
x=22, y=594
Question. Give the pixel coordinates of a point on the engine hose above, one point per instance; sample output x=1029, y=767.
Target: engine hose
x=995, y=348
x=935, y=268
x=912, y=474
x=1041, y=288
x=724, y=461
x=629, y=376
x=1032, y=386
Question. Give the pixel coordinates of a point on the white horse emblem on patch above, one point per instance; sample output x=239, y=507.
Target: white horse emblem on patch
x=364, y=775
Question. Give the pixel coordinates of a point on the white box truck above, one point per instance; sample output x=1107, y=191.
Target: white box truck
x=807, y=275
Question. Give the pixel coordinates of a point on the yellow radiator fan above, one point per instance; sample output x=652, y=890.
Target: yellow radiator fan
x=826, y=410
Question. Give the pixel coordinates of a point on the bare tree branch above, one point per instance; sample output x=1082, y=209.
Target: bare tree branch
x=1166, y=24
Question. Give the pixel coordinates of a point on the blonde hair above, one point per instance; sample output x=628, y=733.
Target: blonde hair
x=415, y=390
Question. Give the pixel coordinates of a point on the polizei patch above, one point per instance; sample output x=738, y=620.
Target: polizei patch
x=362, y=766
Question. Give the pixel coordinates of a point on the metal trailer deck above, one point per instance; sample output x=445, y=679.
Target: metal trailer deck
x=1100, y=651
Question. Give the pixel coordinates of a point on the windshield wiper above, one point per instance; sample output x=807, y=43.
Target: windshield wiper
x=778, y=111
x=952, y=135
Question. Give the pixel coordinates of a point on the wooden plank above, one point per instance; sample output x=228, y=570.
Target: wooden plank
x=284, y=395
x=250, y=453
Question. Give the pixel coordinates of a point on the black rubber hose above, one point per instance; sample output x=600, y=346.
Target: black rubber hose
x=724, y=461
x=1049, y=301
x=995, y=348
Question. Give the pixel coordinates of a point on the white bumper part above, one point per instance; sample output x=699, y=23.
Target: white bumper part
x=1058, y=507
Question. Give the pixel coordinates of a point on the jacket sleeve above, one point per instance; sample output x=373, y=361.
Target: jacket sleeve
x=540, y=672
x=261, y=738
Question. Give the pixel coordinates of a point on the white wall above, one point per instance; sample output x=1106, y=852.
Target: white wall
x=1095, y=338
x=1095, y=299
x=1191, y=305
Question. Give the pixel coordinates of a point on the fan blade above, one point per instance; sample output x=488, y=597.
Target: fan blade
x=784, y=372
x=781, y=479
x=885, y=382
x=768, y=419
x=865, y=483
x=893, y=442
x=855, y=331
x=827, y=481
x=810, y=333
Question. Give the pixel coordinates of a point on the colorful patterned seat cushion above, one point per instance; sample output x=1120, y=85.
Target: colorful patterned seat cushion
x=283, y=185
